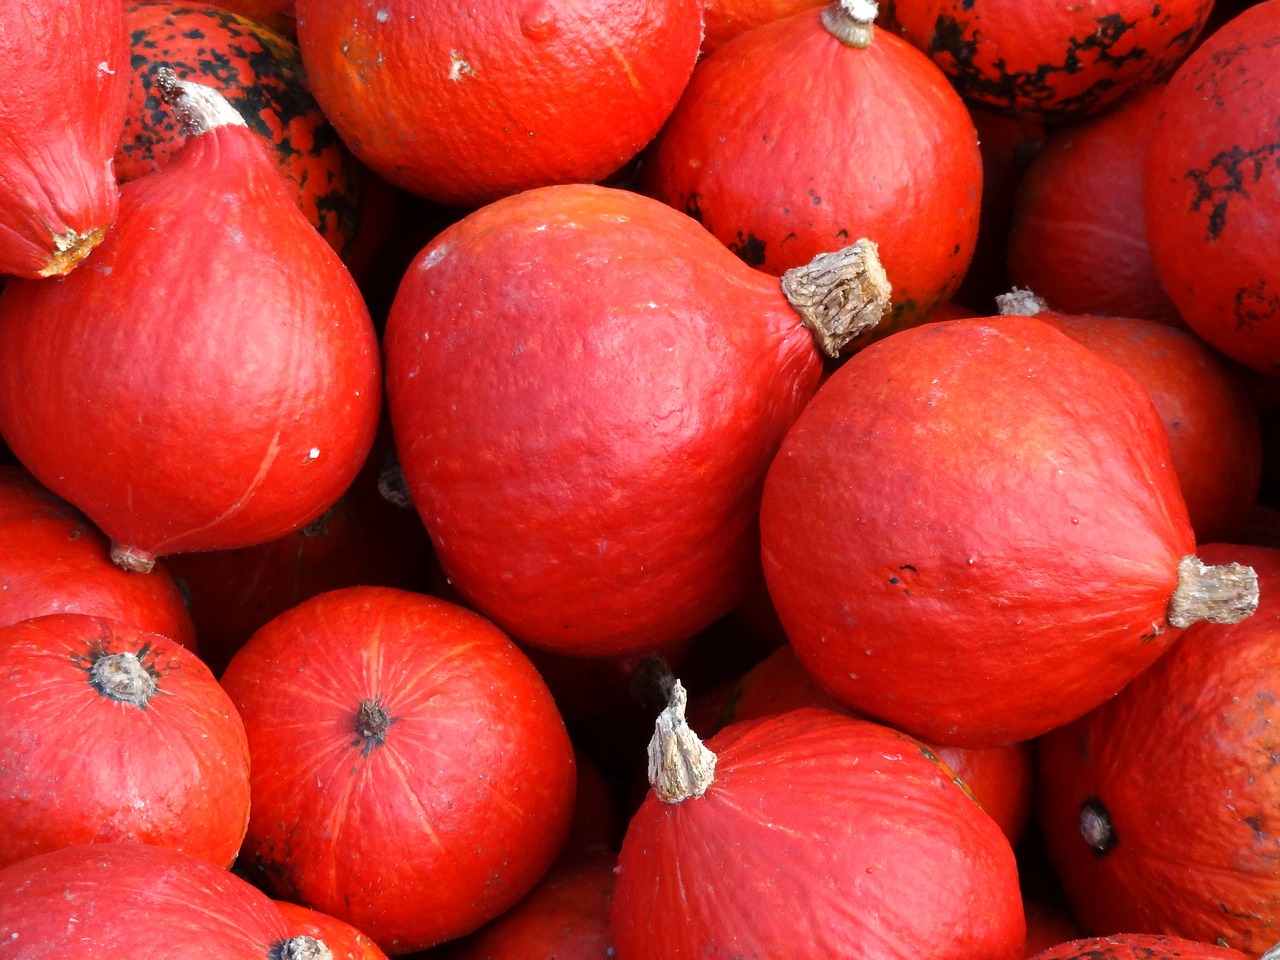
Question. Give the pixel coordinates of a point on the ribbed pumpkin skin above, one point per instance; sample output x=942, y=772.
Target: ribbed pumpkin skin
x=1078, y=237
x=585, y=389
x=1212, y=189
x=53, y=560
x=1137, y=946
x=973, y=531
x=466, y=102
x=173, y=771
x=344, y=941
x=442, y=823
x=1196, y=731
x=107, y=901
x=261, y=75
x=1052, y=60
x=822, y=836
x=212, y=381
x=789, y=143
x=63, y=87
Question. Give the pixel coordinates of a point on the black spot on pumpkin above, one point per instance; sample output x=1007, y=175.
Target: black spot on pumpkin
x=750, y=249
x=1228, y=175
x=1255, y=306
x=692, y=206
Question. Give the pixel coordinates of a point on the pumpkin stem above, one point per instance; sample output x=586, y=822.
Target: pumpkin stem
x=69, y=249
x=301, y=948
x=133, y=559
x=1224, y=593
x=198, y=108
x=392, y=486
x=1019, y=302
x=840, y=295
x=123, y=677
x=852, y=22
x=680, y=767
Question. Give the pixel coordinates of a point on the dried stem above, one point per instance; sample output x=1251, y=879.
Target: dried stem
x=840, y=296
x=680, y=767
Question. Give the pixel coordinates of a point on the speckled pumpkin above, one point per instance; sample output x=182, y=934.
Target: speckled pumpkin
x=261, y=75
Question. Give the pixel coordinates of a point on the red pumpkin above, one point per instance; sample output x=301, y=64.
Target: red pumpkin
x=1052, y=59
x=411, y=775
x=1196, y=730
x=106, y=901
x=585, y=389
x=725, y=19
x=63, y=89
x=277, y=15
x=810, y=834
x=1212, y=189
x=260, y=74
x=565, y=917
x=1138, y=946
x=113, y=733
x=974, y=532
x=53, y=560
x=815, y=130
x=1048, y=925
x=344, y=941
x=463, y=103
x=213, y=380
x=1210, y=418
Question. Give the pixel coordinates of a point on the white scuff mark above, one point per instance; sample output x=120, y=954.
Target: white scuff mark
x=105, y=67
x=312, y=455
x=459, y=66
x=382, y=16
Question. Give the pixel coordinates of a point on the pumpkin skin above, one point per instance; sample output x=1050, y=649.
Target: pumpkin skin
x=261, y=75
x=1052, y=60
x=463, y=103
x=1198, y=726
x=374, y=713
x=277, y=15
x=973, y=531
x=791, y=143
x=105, y=901
x=212, y=381
x=168, y=765
x=53, y=560
x=1137, y=946
x=725, y=19
x=585, y=390
x=1212, y=190
x=1078, y=237
x=344, y=941
x=63, y=90
x=820, y=836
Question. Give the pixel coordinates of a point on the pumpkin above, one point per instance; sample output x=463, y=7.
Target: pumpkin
x=1077, y=235
x=53, y=560
x=1210, y=418
x=1198, y=727
x=585, y=389
x=1052, y=60
x=809, y=834
x=277, y=15
x=725, y=19
x=411, y=775
x=213, y=380
x=63, y=90
x=344, y=941
x=818, y=129
x=261, y=75
x=974, y=533
x=463, y=103
x=1137, y=946
x=105, y=901
x=1048, y=925
x=113, y=733
x=1212, y=189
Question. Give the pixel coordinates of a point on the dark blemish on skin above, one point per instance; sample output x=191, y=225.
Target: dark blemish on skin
x=1228, y=175
x=750, y=249
x=692, y=206
x=907, y=566
x=1255, y=306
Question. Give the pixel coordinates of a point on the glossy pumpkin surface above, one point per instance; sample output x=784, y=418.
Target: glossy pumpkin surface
x=973, y=531
x=159, y=755
x=411, y=775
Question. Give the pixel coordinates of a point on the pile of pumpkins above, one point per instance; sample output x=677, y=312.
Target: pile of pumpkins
x=657, y=480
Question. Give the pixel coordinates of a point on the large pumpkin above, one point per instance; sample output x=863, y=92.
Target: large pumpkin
x=974, y=532
x=585, y=389
x=411, y=775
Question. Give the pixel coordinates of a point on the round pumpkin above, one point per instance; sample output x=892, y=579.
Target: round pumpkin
x=212, y=381
x=411, y=775
x=1198, y=730
x=1137, y=946
x=725, y=19
x=817, y=129
x=974, y=532
x=111, y=900
x=466, y=102
x=261, y=75
x=585, y=389
x=809, y=834
x=1052, y=60
x=112, y=734
x=344, y=941
x=1212, y=189
x=53, y=560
